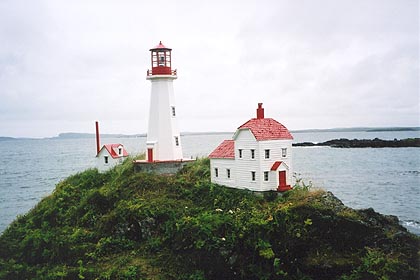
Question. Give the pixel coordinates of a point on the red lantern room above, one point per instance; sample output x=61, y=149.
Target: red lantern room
x=161, y=61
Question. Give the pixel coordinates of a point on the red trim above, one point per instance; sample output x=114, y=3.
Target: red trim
x=160, y=47
x=284, y=188
x=112, y=150
x=282, y=178
x=98, y=146
x=164, y=161
x=150, y=155
x=161, y=61
x=260, y=111
x=276, y=165
x=266, y=129
x=161, y=70
x=225, y=150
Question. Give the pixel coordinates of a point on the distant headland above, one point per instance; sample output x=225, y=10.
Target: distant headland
x=74, y=135
x=364, y=143
x=359, y=129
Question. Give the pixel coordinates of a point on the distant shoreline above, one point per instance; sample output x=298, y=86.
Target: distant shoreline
x=77, y=135
x=359, y=129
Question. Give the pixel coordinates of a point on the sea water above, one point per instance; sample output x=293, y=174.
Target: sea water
x=386, y=179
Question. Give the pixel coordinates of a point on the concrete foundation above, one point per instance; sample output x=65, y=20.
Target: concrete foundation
x=160, y=167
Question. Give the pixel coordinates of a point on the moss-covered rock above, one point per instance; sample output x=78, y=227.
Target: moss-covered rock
x=127, y=225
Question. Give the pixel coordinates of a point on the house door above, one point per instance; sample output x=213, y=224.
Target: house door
x=282, y=178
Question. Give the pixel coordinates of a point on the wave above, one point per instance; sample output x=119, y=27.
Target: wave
x=414, y=172
x=412, y=225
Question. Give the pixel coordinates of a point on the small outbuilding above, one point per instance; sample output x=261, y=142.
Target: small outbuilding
x=110, y=155
x=258, y=158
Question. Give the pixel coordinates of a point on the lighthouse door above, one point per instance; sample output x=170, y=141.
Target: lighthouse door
x=282, y=178
x=150, y=154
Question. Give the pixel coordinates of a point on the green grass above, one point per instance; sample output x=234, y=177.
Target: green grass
x=126, y=225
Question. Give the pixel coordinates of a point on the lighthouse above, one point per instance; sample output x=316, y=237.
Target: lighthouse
x=163, y=143
x=163, y=138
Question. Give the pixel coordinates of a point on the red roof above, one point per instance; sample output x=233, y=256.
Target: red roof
x=161, y=47
x=267, y=129
x=224, y=150
x=113, y=150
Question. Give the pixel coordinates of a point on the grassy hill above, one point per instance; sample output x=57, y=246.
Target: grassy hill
x=127, y=225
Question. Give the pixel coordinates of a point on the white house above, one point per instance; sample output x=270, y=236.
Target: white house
x=109, y=156
x=258, y=158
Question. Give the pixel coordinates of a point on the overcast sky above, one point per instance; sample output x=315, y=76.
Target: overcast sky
x=314, y=64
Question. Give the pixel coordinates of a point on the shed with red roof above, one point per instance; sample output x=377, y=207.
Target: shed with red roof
x=258, y=158
x=110, y=155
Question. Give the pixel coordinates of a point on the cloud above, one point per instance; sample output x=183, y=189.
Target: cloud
x=313, y=63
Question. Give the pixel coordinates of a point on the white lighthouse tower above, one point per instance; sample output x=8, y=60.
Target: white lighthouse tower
x=163, y=138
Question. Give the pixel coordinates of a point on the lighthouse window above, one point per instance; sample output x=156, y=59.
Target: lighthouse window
x=176, y=141
x=284, y=152
x=154, y=60
x=216, y=172
x=106, y=159
x=168, y=60
x=253, y=175
x=267, y=153
x=240, y=153
x=265, y=175
x=173, y=111
x=252, y=154
x=161, y=59
x=228, y=173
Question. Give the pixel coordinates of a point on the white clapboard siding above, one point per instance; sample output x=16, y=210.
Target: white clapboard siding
x=163, y=125
x=275, y=147
x=100, y=161
x=222, y=164
x=246, y=141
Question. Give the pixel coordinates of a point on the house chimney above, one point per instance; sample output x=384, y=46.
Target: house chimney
x=98, y=147
x=260, y=111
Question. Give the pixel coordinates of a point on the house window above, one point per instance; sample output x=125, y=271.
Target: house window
x=265, y=175
x=173, y=111
x=106, y=159
x=240, y=153
x=228, y=173
x=252, y=154
x=267, y=153
x=120, y=151
x=253, y=175
x=284, y=152
x=176, y=141
x=216, y=172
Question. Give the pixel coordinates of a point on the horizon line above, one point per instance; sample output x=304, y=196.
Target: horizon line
x=308, y=130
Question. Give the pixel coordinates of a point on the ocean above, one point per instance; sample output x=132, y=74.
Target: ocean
x=386, y=179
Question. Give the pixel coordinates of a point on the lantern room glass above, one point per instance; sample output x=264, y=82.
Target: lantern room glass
x=161, y=58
